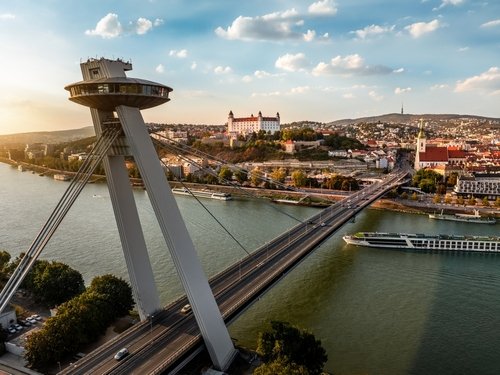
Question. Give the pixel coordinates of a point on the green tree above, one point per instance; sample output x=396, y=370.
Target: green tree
x=279, y=174
x=241, y=176
x=291, y=345
x=57, y=283
x=460, y=200
x=437, y=198
x=486, y=202
x=299, y=178
x=497, y=202
x=117, y=291
x=225, y=174
x=256, y=176
x=280, y=367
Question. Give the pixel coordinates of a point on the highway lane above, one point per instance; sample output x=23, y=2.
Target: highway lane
x=234, y=289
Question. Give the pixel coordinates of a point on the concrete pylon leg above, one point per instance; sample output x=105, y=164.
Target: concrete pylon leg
x=194, y=280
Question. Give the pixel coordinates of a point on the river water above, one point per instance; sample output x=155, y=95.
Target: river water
x=375, y=311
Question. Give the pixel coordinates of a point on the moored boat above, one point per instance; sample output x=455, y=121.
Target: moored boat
x=440, y=242
x=475, y=218
x=62, y=177
x=203, y=194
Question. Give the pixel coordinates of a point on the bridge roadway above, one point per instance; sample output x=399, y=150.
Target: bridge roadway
x=168, y=340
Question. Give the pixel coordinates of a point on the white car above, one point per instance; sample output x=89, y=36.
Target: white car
x=122, y=353
x=186, y=309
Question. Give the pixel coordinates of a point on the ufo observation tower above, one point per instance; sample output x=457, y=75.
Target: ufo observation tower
x=115, y=100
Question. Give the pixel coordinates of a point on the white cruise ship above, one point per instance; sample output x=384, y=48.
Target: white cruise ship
x=439, y=242
x=203, y=194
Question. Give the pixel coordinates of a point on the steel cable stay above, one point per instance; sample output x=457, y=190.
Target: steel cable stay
x=231, y=183
x=185, y=148
x=77, y=184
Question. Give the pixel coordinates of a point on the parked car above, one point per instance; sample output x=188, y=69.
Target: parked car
x=25, y=323
x=122, y=353
x=36, y=317
x=18, y=327
x=12, y=330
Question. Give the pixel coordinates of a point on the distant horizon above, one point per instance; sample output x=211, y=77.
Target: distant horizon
x=316, y=59
x=328, y=122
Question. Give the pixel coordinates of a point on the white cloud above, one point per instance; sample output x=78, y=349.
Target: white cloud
x=373, y=30
x=299, y=90
x=488, y=81
x=350, y=64
x=180, y=54
x=7, y=16
x=309, y=36
x=449, y=2
x=323, y=7
x=265, y=94
x=399, y=90
x=222, y=70
x=292, y=63
x=399, y=70
x=193, y=65
x=247, y=79
x=439, y=86
x=375, y=96
x=108, y=27
x=463, y=49
x=158, y=22
x=261, y=74
x=418, y=29
x=272, y=26
x=160, y=68
x=142, y=26
x=491, y=23
x=349, y=95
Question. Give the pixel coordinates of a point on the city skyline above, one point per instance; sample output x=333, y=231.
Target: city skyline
x=316, y=60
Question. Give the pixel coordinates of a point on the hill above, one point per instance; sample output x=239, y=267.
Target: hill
x=53, y=137
x=407, y=118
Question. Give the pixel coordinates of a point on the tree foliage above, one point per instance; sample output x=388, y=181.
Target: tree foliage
x=299, y=178
x=428, y=180
x=79, y=321
x=285, y=345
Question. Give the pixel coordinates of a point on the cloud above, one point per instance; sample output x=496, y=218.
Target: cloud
x=488, y=81
x=375, y=96
x=399, y=90
x=349, y=95
x=158, y=22
x=418, y=29
x=292, y=63
x=193, y=65
x=350, y=64
x=323, y=7
x=265, y=94
x=463, y=49
x=7, y=16
x=293, y=91
x=449, y=2
x=491, y=23
x=222, y=70
x=439, y=86
x=272, y=26
x=160, y=68
x=110, y=27
x=299, y=90
x=373, y=30
x=309, y=36
x=247, y=79
x=399, y=70
x=180, y=54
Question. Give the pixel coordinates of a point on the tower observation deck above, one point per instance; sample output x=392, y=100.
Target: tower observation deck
x=116, y=100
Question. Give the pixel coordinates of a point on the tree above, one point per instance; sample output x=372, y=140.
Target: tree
x=57, y=283
x=288, y=345
x=279, y=174
x=414, y=197
x=117, y=290
x=460, y=200
x=404, y=195
x=256, y=176
x=437, y=198
x=497, y=202
x=486, y=202
x=471, y=201
x=241, y=176
x=299, y=178
x=448, y=199
x=280, y=367
x=225, y=174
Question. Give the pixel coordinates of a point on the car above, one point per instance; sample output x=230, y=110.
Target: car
x=186, y=308
x=31, y=320
x=25, y=323
x=122, y=353
x=322, y=224
x=18, y=327
x=36, y=317
x=12, y=330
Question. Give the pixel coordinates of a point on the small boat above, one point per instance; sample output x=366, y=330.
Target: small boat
x=440, y=242
x=475, y=218
x=62, y=177
x=203, y=194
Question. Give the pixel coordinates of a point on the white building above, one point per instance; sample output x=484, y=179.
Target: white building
x=247, y=125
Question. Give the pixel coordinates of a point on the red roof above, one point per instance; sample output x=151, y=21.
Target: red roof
x=456, y=154
x=434, y=154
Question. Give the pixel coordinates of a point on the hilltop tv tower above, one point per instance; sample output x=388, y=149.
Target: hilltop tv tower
x=116, y=100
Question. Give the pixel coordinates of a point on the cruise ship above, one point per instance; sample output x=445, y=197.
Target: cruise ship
x=439, y=242
x=203, y=194
x=475, y=218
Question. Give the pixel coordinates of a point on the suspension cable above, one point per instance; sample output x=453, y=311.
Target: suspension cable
x=77, y=184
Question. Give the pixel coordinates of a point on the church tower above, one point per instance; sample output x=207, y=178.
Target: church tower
x=421, y=143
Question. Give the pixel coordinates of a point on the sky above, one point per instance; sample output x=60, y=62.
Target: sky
x=308, y=60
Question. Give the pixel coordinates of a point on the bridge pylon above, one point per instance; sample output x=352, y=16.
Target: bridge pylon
x=114, y=99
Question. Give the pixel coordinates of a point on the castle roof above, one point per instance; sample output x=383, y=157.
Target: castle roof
x=434, y=154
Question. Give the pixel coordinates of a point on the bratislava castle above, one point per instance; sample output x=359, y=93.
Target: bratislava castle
x=247, y=125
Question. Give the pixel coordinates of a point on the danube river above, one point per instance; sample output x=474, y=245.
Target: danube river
x=378, y=312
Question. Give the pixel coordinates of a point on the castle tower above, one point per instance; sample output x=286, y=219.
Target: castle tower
x=421, y=143
x=116, y=100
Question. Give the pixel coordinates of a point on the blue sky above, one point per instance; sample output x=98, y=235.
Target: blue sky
x=309, y=60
